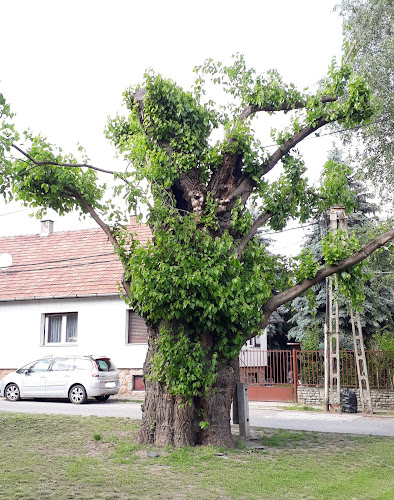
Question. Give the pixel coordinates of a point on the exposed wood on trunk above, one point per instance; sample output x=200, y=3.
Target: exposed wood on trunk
x=185, y=189
x=224, y=179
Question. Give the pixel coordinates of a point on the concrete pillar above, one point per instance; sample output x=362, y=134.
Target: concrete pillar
x=243, y=409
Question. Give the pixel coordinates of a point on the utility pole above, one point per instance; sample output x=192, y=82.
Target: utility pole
x=332, y=382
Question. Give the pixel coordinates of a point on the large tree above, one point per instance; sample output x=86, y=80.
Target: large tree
x=203, y=284
x=368, y=26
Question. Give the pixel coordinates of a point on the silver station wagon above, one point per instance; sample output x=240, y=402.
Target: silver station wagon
x=74, y=377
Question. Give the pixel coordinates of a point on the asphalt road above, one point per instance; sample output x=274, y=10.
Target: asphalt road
x=344, y=423
x=261, y=415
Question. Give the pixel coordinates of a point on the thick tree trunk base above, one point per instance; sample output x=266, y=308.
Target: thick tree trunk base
x=166, y=422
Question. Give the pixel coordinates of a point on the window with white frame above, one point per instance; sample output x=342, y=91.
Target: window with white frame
x=60, y=328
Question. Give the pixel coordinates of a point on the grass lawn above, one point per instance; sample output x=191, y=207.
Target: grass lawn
x=73, y=457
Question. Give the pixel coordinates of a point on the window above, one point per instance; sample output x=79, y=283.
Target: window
x=255, y=342
x=83, y=364
x=60, y=328
x=105, y=365
x=138, y=383
x=137, y=333
x=62, y=364
x=41, y=365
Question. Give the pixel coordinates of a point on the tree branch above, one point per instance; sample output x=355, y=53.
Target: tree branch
x=67, y=165
x=290, y=143
x=293, y=292
x=247, y=184
x=252, y=109
x=104, y=227
x=94, y=215
x=261, y=219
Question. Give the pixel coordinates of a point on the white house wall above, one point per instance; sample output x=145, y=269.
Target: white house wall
x=254, y=352
x=102, y=326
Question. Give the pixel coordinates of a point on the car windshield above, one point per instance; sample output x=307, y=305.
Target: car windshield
x=104, y=365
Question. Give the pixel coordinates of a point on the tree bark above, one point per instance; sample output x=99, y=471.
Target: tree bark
x=168, y=422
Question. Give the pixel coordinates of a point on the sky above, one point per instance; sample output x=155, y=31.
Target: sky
x=64, y=65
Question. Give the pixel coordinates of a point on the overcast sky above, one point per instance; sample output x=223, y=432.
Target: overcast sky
x=64, y=65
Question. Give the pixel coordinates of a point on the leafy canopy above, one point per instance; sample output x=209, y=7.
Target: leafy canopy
x=202, y=283
x=368, y=26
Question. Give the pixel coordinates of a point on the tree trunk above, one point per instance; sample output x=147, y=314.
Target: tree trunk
x=165, y=421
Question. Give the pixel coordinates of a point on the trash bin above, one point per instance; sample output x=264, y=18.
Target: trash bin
x=348, y=401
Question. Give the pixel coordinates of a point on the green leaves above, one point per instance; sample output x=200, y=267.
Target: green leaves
x=45, y=184
x=334, y=186
x=196, y=277
x=181, y=364
x=171, y=136
x=201, y=296
x=306, y=265
x=339, y=246
x=192, y=281
x=247, y=88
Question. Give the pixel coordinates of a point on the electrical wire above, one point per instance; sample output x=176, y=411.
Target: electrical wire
x=58, y=267
x=288, y=229
x=15, y=212
x=63, y=260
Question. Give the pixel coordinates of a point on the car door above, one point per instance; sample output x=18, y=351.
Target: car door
x=58, y=377
x=34, y=379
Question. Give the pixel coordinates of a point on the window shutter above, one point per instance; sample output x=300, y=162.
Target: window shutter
x=138, y=333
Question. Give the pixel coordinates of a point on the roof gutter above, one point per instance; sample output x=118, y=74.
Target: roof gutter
x=50, y=297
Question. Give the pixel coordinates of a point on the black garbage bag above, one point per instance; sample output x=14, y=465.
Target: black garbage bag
x=348, y=401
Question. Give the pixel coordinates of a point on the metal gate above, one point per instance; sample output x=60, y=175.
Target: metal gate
x=270, y=375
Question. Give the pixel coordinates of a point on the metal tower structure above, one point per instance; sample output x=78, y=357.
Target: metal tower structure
x=332, y=378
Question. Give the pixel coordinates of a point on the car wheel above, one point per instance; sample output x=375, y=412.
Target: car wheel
x=101, y=398
x=77, y=394
x=12, y=392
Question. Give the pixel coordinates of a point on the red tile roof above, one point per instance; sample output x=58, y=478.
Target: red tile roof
x=62, y=264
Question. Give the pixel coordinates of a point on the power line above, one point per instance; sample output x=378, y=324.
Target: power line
x=14, y=212
x=289, y=229
x=64, y=260
x=58, y=267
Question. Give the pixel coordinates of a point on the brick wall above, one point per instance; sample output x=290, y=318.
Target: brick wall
x=4, y=372
x=126, y=379
x=382, y=399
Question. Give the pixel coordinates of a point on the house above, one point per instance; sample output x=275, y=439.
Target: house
x=61, y=296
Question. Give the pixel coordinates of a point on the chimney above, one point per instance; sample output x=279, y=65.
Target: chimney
x=46, y=227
